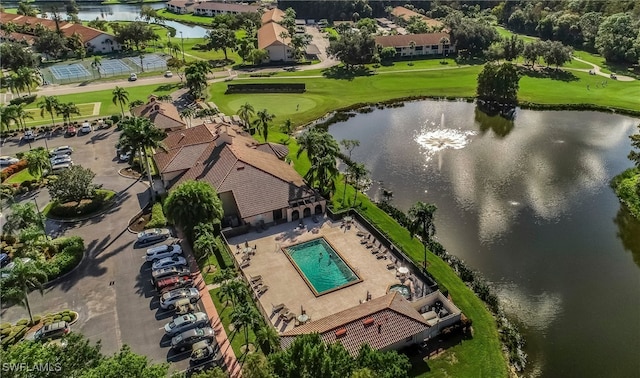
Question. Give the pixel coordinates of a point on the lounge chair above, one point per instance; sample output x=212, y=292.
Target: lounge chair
x=284, y=313
x=370, y=245
x=364, y=241
x=262, y=289
x=375, y=251
x=255, y=278
x=391, y=266
x=277, y=308
x=381, y=256
x=289, y=316
x=361, y=233
x=245, y=264
x=256, y=283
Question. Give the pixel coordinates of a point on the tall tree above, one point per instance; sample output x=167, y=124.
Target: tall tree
x=26, y=9
x=358, y=173
x=191, y=203
x=188, y=114
x=96, y=64
x=196, y=77
x=616, y=37
x=128, y=364
x=634, y=156
x=120, y=96
x=73, y=184
x=244, y=316
x=349, y=145
x=256, y=366
x=37, y=161
x=353, y=48
x=22, y=216
x=264, y=117
x=421, y=216
x=14, y=55
x=499, y=83
x=513, y=47
x=139, y=134
x=48, y=104
x=8, y=116
x=135, y=33
x=28, y=78
x=268, y=338
x=21, y=113
x=67, y=109
x=322, y=151
x=221, y=39
x=23, y=278
x=245, y=112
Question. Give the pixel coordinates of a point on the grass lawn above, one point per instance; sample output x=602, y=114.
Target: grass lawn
x=236, y=339
x=185, y=18
x=19, y=177
x=86, y=110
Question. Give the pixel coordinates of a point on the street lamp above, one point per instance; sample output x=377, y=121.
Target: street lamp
x=182, y=40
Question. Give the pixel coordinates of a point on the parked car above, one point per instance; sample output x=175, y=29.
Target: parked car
x=61, y=159
x=162, y=251
x=86, y=128
x=168, y=74
x=62, y=150
x=153, y=235
x=184, y=306
x=133, y=77
x=206, y=351
x=188, y=338
x=52, y=331
x=174, y=282
x=168, y=300
x=169, y=261
x=30, y=135
x=71, y=131
x=186, y=322
x=7, y=160
x=125, y=156
x=4, y=260
x=61, y=167
x=159, y=274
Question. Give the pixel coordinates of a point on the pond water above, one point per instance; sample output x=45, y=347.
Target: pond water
x=527, y=203
x=120, y=12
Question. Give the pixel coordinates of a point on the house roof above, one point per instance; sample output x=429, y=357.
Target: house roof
x=393, y=320
x=19, y=37
x=269, y=35
x=405, y=40
x=67, y=28
x=164, y=115
x=272, y=15
x=230, y=160
x=180, y=3
x=227, y=7
x=406, y=14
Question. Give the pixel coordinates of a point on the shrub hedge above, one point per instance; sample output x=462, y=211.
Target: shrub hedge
x=23, y=100
x=70, y=252
x=626, y=185
x=266, y=88
x=13, y=169
x=157, y=217
x=101, y=198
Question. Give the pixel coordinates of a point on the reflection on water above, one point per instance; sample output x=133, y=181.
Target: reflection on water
x=629, y=232
x=527, y=203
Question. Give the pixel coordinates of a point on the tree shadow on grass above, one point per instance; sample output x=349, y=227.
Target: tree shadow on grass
x=549, y=73
x=344, y=73
x=168, y=87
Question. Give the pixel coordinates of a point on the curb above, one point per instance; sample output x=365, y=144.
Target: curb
x=127, y=177
x=55, y=281
x=74, y=220
x=138, y=214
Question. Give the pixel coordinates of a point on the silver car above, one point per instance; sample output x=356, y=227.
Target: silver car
x=7, y=160
x=186, y=322
x=188, y=338
x=163, y=251
x=168, y=300
x=169, y=262
x=153, y=235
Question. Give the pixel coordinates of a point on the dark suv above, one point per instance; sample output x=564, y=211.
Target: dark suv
x=52, y=331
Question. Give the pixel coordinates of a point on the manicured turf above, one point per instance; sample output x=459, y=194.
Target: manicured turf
x=19, y=177
x=186, y=18
x=86, y=110
x=225, y=309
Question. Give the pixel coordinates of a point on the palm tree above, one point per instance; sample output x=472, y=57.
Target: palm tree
x=245, y=113
x=37, y=162
x=21, y=114
x=244, y=316
x=48, y=104
x=322, y=174
x=226, y=291
x=412, y=47
x=27, y=77
x=268, y=338
x=358, y=172
x=139, y=134
x=444, y=41
x=23, y=278
x=349, y=145
x=8, y=115
x=263, y=120
x=96, y=64
x=188, y=113
x=421, y=216
x=204, y=246
x=322, y=150
x=166, y=98
x=121, y=96
x=287, y=128
x=22, y=216
x=66, y=110
x=196, y=75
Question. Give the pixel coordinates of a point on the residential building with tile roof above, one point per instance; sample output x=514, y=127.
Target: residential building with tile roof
x=272, y=15
x=406, y=14
x=210, y=8
x=181, y=6
x=254, y=184
x=417, y=44
x=389, y=322
x=163, y=114
x=270, y=39
x=94, y=40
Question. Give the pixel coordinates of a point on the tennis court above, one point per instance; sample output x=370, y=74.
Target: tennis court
x=150, y=62
x=71, y=71
x=114, y=67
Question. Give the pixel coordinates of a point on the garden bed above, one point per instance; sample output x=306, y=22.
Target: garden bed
x=86, y=208
x=12, y=334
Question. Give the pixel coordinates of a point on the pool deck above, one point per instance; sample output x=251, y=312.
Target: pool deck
x=288, y=287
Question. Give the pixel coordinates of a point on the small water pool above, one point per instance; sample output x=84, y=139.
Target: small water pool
x=322, y=268
x=402, y=289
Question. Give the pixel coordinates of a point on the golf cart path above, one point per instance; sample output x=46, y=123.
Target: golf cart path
x=595, y=68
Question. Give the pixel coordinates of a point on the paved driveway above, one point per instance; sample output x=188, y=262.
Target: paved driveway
x=110, y=289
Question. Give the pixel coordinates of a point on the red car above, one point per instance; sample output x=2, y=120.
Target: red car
x=176, y=282
x=71, y=131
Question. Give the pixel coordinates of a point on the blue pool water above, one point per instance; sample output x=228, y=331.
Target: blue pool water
x=322, y=267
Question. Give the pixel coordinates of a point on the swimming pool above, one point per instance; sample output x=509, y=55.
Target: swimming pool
x=322, y=268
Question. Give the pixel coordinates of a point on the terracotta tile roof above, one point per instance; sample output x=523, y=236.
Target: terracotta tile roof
x=67, y=28
x=180, y=3
x=19, y=37
x=269, y=35
x=226, y=7
x=272, y=15
x=204, y=133
x=281, y=151
x=404, y=40
x=393, y=320
x=164, y=115
x=406, y=14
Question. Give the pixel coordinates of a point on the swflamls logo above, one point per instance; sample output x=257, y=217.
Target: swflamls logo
x=24, y=367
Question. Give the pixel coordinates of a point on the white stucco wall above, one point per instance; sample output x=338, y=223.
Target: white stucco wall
x=101, y=44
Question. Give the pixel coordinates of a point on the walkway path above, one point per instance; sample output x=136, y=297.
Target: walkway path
x=597, y=69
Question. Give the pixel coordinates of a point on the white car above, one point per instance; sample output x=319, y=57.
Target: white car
x=169, y=262
x=61, y=159
x=62, y=150
x=168, y=74
x=125, y=156
x=163, y=251
x=86, y=128
x=153, y=235
x=168, y=300
x=8, y=160
x=133, y=77
x=30, y=135
x=186, y=322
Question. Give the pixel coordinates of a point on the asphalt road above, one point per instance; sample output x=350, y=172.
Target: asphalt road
x=110, y=289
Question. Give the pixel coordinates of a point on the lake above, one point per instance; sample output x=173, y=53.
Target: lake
x=527, y=203
x=119, y=12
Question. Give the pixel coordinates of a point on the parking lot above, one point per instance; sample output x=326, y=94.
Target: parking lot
x=111, y=288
